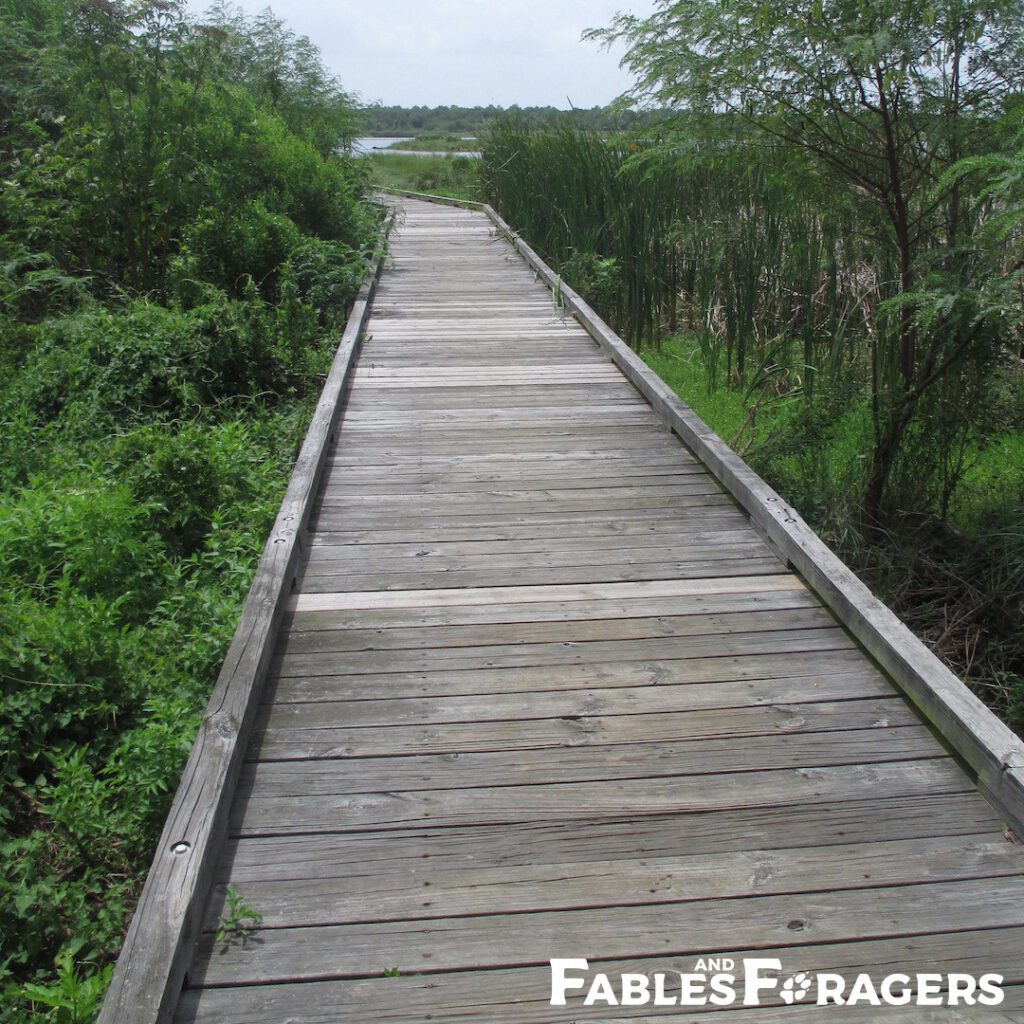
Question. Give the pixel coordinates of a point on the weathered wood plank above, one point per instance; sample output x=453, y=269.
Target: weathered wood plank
x=667, y=929
x=318, y=730
x=496, y=525
x=384, y=480
x=564, y=442
x=542, y=593
x=588, y=800
x=597, y=652
x=496, y=1007
x=636, y=496
x=418, y=624
x=357, y=485
x=662, y=536
x=429, y=893
x=361, y=704
x=710, y=834
x=553, y=554
x=524, y=577
x=796, y=612
x=807, y=669
x=537, y=751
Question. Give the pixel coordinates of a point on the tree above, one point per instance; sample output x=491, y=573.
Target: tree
x=286, y=72
x=887, y=94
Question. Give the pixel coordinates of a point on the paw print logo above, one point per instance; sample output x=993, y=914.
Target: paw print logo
x=796, y=988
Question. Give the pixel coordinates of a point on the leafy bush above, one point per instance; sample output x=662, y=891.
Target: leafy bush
x=118, y=596
x=600, y=278
x=145, y=361
x=233, y=248
x=115, y=365
x=176, y=245
x=324, y=274
x=171, y=473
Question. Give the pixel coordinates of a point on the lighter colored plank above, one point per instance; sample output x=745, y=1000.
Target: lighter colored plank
x=506, y=595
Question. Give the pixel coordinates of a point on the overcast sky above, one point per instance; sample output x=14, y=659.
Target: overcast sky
x=465, y=52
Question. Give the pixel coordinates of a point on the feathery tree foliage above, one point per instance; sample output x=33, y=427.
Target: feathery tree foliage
x=889, y=95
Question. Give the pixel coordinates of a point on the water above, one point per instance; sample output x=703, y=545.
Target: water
x=360, y=147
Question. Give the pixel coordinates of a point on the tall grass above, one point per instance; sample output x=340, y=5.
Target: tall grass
x=607, y=227
x=452, y=176
x=732, y=242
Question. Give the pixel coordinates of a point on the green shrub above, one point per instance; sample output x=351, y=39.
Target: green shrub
x=326, y=275
x=599, y=278
x=177, y=246
x=233, y=247
x=171, y=474
x=114, y=366
x=320, y=196
x=79, y=535
x=122, y=367
x=119, y=593
x=61, y=665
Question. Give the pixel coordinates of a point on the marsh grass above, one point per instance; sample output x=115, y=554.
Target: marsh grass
x=453, y=176
x=958, y=582
x=437, y=142
x=729, y=242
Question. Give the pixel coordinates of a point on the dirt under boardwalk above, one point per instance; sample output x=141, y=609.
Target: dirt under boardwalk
x=544, y=693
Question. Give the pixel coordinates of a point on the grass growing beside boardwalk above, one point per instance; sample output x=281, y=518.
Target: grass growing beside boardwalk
x=453, y=176
x=957, y=582
x=678, y=363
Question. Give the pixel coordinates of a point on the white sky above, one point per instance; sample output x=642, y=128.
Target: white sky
x=464, y=52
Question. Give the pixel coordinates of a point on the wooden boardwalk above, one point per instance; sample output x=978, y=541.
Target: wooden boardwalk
x=542, y=691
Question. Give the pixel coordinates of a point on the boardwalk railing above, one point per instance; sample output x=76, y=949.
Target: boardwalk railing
x=158, y=947
x=991, y=749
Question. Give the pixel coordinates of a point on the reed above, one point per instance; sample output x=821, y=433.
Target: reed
x=732, y=242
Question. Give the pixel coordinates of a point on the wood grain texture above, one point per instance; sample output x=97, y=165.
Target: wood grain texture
x=580, y=840
x=423, y=894
x=490, y=941
x=510, y=996
x=560, y=800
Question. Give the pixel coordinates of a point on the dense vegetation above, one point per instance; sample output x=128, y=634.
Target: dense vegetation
x=178, y=243
x=823, y=251
x=381, y=120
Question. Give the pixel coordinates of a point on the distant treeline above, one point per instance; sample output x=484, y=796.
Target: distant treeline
x=381, y=120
